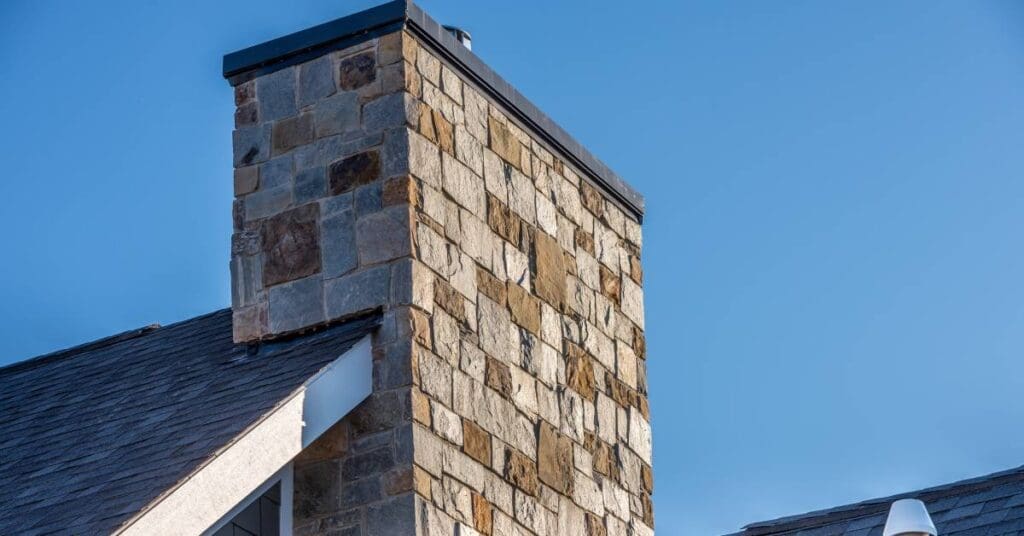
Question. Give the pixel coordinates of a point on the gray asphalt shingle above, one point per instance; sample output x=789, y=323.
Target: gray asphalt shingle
x=92, y=434
x=991, y=505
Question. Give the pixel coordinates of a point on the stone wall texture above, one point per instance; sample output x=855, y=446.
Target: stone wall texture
x=510, y=392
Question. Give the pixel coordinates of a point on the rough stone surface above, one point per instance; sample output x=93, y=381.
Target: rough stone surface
x=554, y=459
x=349, y=173
x=476, y=442
x=550, y=278
x=357, y=71
x=521, y=471
x=291, y=245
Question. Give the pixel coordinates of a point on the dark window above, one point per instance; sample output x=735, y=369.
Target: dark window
x=260, y=518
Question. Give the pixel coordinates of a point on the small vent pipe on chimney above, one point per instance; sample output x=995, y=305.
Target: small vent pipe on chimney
x=461, y=36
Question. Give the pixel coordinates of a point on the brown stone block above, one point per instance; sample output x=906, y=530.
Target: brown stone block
x=521, y=471
x=245, y=93
x=648, y=508
x=606, y=461
x=357, y=71
x=617, y=390
x=398, y=481
x=585, y=241
x=400, y=191
x=421, y=481
x=636, y=271
x=504, y=143
x=476, y=442
x=595, y=527
x=591, y=199
x=420, y=324
x=445, y=133
x=555, y=459
x=579, y=371
x=482, y=514
x=549, y=280
x=291, y=245
x=611, y=285
x=332, y=444
x=420, y=407
x=502, y=220
x=246, y=179
x=525, y=307
x=639, y=343
x=498, y=377
x=354, y=171
x=426, y=122
x=450, y=300
x=247, y=114
x=292, y=132
x=490, y=286
x=647, y=477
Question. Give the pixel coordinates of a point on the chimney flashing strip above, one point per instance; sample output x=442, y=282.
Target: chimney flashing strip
x=302, y=46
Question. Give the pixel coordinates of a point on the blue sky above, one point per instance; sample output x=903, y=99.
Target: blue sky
x=833, y=242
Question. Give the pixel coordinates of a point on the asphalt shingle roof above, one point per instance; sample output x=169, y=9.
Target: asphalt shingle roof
x=92, y=434
x=991, y=505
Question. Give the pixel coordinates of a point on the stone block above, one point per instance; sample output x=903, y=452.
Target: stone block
x=336, y=115
x=291, y=245
x=469, y=151
x=393, y=516
x=276, y=173
x=482, y=514
x=591, y=198
x=640, y=435
x=549, y=281
x=495, y=329
x=555, y=459
x=349, y=173
x=517, y=266
x=358, y=291
x=384, y=235
x=424, y=160
x=498, y=377
x=368, y=198
x=476, y=442
x=446, y=423
x=246, y=180
x=524, y=307
x=291, y=132
x=389, y=111
x=338, y=244
x=491, y=287
x=633, y=302
x=316, y=81
x=357, y=70
x=251, y=145
x=463, y=186
x=276, y=94
x=521, y=471
x=296, y=305
x=504, y=143
x=310, y=185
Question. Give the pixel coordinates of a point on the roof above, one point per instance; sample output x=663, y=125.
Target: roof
x=991, y=505
x=91, y=435
x=345, y=32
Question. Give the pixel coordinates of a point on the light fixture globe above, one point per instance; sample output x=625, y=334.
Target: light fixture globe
x=909, y=517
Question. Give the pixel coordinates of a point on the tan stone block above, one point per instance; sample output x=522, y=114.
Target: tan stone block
x=648, y=509
x=445, y=133
x=398, y=481
x=489, y=286
x=647, y=478
x=579, y=371
x=594, y=525
x=425, y=124
x=524, y=307
x=482, y=514
x=584, y=240
x=502, y=221
x=504, y=143
x=476, y=442
x=400, y=191
x=611, y=285
x=549, y=281
x=555, y=459
x=636, y=271
x=450, y=300
x=421, y=481
x=592, y=199
x=498, y=377
x=521, y=471
x=420, y=408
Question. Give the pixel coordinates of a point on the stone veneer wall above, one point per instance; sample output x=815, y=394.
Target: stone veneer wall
x=510, y=378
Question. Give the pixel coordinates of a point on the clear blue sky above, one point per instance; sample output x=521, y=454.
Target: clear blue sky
x=834, y=260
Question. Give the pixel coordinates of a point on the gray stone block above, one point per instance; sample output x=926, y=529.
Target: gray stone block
x=276, y=173
x=395, y=153
x=337, y=114
x=389, y=111
x=310, y=184
x=296, y=305
x=360, y=291
x=338, y=242
x=316, y=81
x=266, y=203
x=384, y=235
x=276, y=95
x=396, y=516
x=337, y=203
x=319, y=153
x=251, y=145
x=246, y=279
x=368, y=198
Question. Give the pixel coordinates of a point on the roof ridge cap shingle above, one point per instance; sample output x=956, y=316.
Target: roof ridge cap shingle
x=96, y=344
x=817, y=518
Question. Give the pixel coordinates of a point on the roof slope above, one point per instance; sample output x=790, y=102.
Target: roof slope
x=991, y=505
x=91, y=435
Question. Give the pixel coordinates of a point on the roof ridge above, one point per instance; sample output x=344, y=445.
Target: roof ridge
x=96, y=344
x=874, y=506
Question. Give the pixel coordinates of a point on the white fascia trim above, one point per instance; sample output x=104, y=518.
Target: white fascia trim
x=252, y=460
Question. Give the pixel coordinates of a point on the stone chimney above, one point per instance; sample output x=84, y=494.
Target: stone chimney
x=380, y=165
